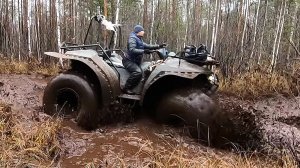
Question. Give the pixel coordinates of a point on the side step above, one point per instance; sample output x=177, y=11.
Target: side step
x=130, y=97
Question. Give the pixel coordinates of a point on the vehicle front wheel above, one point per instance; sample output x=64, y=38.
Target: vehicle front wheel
x=190, y=105
x=71, y=95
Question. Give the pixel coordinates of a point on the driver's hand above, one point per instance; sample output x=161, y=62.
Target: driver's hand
x=163, y=45
x=147, y=51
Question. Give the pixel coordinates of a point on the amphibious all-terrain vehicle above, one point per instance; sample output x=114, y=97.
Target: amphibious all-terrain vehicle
x=176, y=87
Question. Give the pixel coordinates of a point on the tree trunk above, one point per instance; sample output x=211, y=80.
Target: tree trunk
x=145, y=16
x=105, y=8
x=187, y=22
x=58, y=23
x=37, y=31
x=19, y=30
x=117, y=22
x=217, y=23
x=12, y=44
x=255, y=31
x=214, y=29
x=281, y=30
x=294, y=20
x=244, y=29
x=152, y=20
x=29, y=28
x=263, y=32
x=207, y=24
x=278, y=36
x=75, y=11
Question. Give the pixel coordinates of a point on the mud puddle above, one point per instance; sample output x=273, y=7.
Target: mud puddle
x=281, y=109
x=135, y=144
x=132, y=144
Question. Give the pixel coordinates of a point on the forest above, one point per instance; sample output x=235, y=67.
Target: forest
x=243, y=35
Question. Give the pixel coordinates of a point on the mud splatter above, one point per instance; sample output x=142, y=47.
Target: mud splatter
x=269, y=125
x=22, y=91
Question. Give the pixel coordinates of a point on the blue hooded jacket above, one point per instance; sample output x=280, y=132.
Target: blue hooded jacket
x=136, y=48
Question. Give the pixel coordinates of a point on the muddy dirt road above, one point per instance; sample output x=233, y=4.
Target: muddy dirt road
x=276, y=121
x=133, y=142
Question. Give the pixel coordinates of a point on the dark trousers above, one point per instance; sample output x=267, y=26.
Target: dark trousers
x=135, y=73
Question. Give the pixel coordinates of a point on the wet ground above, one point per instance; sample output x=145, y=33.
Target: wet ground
x=275, y=121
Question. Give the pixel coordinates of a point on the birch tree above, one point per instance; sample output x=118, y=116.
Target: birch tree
x=58, y=23
x=187, y=21
x=218, y=3
x=255, y=30
x=152, y=20
x=214, y=28
x=145, y=16
x=19, y=29
x=291, y=36
x=278, y=35
x=117, y=21
x=29, y=27
x=246, y=13
x=263, y=32
x=207, y=23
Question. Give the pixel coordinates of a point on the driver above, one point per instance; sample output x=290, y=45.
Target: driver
x=136, y=48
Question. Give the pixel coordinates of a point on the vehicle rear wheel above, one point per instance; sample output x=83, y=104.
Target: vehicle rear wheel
x=71, y=95
x=194, y=108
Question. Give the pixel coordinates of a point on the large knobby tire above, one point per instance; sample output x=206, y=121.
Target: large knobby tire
x=71, y=94
x=197, y=111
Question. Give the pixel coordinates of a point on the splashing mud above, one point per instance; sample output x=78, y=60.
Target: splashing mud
x=269, y=125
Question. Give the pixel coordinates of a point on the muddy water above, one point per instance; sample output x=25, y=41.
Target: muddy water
x=132, y=143
x=22, y=91
x=274, y=120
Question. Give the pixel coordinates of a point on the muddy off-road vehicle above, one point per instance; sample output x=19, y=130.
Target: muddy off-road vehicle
x=175, y=87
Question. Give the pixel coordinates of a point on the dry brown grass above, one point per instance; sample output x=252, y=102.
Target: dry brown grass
x=16, y=67
x=22, y=145
x=256, y=85
x=179, y=157
x=260, y=84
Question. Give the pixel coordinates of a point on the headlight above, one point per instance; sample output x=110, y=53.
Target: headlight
x=213, y=79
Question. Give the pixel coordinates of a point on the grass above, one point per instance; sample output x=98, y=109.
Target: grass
x=11, y=66
x=206, y=159
x=261, y=83
x=255, y=85
x=213, y=160
x=26, y=143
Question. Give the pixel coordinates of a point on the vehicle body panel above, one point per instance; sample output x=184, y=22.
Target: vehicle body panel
x=174, y=67
x=110, y=87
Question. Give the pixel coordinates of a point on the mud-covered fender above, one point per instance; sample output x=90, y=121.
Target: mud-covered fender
x=176, y=68
x=108, y=79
